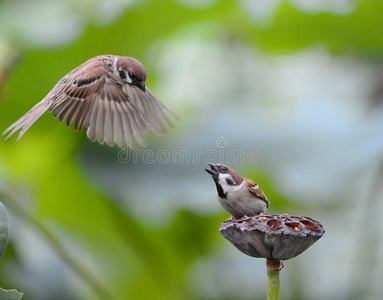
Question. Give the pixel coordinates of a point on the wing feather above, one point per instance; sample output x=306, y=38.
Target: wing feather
x=256, y=190
x=108, y=129
x=130, y=115
x=93, y=114
x=128, y=134
x=83, y=115
x=118, y=129
x=155, y=112
x=100, y=121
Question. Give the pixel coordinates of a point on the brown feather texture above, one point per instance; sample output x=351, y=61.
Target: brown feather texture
x=107, y=95
x=256, y=190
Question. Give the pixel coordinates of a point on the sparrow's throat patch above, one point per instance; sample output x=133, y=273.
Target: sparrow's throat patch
x=220, y=191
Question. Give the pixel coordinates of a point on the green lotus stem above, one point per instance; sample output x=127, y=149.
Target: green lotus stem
x=273, y=267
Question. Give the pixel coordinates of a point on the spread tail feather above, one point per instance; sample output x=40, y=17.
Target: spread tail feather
x=28, y=119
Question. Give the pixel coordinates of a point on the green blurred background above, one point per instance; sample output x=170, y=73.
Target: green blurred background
x=288, y=93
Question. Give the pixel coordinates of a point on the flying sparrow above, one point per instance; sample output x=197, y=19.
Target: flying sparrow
x=238, y=195
x=107, y=95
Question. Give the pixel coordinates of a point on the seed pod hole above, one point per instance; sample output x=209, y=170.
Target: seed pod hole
x=294, y=225
x=274, y=223
x=310, y=225
x=250, y=221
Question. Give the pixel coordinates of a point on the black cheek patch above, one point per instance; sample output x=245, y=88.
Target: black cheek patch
x=229, y=181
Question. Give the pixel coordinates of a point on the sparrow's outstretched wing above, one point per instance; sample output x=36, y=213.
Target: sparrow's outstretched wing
x=28, y=119
x=256, y=190
x=92, y=96
x=152, y=108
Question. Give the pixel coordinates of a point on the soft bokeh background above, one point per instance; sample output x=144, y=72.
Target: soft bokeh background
x=289, y=93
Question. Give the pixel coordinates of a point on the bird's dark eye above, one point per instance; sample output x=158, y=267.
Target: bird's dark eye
x=132, y=76
x=223, y=169
x=122, y=74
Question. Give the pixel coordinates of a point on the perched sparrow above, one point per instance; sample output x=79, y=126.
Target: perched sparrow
x=107, y=95
x=239, y=196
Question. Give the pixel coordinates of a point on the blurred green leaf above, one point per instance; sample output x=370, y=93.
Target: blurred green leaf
x=3, y=229
x=293, y=29
x=10, y=295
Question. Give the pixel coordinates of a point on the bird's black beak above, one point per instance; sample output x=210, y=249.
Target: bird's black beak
x=140, y=85
x=213, y=171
